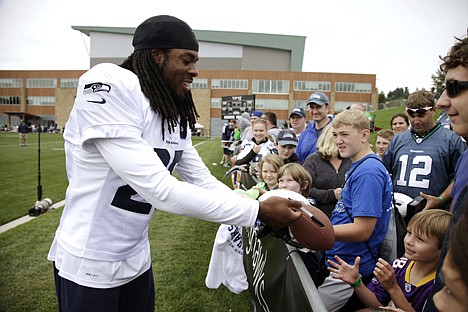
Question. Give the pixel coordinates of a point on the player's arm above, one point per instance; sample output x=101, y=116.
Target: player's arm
x=358, y=231
x=135, y=161
x=192, y=169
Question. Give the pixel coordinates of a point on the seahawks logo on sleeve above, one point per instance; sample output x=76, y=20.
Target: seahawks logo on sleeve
x=92, y=88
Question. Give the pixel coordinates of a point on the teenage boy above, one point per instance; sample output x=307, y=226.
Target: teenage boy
x=408, y=282
x=361, y=216
x=382, y=140
x=286, y=143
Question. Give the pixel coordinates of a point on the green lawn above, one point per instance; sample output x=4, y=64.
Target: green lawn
x=180, y=246
x=19, y=173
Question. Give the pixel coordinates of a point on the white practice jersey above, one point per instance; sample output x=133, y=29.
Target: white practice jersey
x=119, y=170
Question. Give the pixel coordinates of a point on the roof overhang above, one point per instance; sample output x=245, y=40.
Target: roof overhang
x=23, y=115
x=295, y=44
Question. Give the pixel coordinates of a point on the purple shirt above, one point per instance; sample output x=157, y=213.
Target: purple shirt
x=415, y=294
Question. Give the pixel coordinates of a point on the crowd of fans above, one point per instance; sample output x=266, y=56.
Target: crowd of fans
x=418, y=156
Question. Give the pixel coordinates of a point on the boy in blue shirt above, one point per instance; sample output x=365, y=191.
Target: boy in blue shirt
x=362, y=214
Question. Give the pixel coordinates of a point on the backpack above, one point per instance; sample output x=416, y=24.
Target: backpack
x=393, y=245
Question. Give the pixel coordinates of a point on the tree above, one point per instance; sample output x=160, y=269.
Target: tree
x=438, y=82
x=398, y=93
x=382, y=97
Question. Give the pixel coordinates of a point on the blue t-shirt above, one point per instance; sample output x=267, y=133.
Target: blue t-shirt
x=367, y=193
x=307, y=143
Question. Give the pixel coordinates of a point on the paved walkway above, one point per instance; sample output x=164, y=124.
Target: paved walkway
x=14, y=223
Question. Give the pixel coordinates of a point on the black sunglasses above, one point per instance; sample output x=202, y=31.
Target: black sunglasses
x=454, y=87
x=419, y=111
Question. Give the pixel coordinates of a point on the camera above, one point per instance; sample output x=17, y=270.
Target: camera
x=414, y=206
x=40, y=207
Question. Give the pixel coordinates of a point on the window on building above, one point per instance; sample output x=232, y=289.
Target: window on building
x=353, y=87
x=216, y=102
x=312, y=86
x=41, y=100
x=341, y=106
x=267, y=104
x=270, y=86
x=199, y=84
x=71, y=83
x=10, y=100
x=300, y=103
x=11, y=83
x=239, y=84
x=41, y=83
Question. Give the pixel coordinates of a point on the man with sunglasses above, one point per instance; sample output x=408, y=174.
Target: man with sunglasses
x=422, y=160
x=455, y=101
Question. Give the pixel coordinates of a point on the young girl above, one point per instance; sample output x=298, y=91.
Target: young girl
x=268, y=173
x=254, y=150
x=295, y=178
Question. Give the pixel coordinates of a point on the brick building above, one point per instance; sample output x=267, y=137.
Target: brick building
x=231, y=63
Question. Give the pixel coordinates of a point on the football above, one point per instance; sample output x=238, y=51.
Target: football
x=313, y=229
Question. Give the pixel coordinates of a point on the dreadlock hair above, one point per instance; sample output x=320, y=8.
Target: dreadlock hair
x=153, y=86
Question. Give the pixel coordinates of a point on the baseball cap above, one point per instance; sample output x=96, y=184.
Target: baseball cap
x=286, y=137
x=318, y=98
x=165, y=32
x=245, y=115
x=297, y=111
x=257, y=113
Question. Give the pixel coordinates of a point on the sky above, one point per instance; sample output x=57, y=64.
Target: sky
x=399, y=41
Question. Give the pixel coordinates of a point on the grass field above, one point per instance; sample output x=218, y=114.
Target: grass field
x=19, y=172
x=180, y=246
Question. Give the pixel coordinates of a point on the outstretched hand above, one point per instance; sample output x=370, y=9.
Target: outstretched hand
x=279, y=212
x=343, y=271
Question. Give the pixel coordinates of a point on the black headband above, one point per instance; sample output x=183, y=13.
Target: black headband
x=165, y=32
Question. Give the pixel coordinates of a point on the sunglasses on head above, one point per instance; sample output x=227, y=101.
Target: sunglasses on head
x=419, y=111
x=454, y=87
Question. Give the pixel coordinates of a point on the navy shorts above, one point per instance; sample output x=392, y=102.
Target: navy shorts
x=137, y=295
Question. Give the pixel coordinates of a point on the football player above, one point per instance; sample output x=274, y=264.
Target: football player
x=128, y=131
